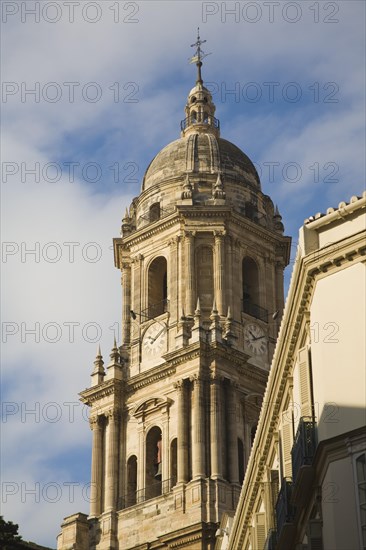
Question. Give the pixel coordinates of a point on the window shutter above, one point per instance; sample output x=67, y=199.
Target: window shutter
x=315, y=539
x=287, y=441
x=260, y=531
x=304, y=380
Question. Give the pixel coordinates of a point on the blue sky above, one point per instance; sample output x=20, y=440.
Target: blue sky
x=310, y=131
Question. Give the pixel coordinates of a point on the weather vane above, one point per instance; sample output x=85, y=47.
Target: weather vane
x=199, y=55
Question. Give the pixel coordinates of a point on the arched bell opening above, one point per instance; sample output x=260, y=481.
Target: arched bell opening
x=153, y=471
x=250, y=281
x=131, y=481
x=157, y=287
x=173, y=463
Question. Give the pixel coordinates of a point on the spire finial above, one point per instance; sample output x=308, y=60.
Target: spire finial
x=198, y=56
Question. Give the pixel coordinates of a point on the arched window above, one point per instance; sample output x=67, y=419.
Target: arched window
x=153, y=469
x=193, y=117
x=241, y=460
x=154, y=212
x=173, y=463
x=158, y=287
x=131, y=481
x=250, y=280
x=251, y=211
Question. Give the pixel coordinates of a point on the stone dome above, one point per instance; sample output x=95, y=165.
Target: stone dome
x=200, y=155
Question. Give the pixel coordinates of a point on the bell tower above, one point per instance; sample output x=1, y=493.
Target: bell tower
x=174, y=413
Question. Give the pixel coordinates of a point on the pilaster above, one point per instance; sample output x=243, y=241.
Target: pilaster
x=198, y=428
x=96, y=424
x=189, y=238
x=182, y=445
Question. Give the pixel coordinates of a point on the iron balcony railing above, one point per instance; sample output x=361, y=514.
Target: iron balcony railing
x=255, y=310
x=154, y=310
x=253, y=215
x=147, y=218
x=209, y=121
x=271, y=540
x=285, y=511
x=304, y=446
x=155, y=489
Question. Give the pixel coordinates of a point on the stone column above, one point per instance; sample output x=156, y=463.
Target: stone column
x=219, y=272
x=180, y=282
x=216, y=428
x=137, y=283
x=126, y=307
x=190, y=273
x=182, y=444
x=96, y=467
x=165, y=447
x=122, y=481
x=111, y=473
x=229, y=280
x=141, y=463
x=198, y=429
x=279, y=288
x=232, y=435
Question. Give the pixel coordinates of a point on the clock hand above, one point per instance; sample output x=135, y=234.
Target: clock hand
x=152, y=340
x=259, y=337
x=252, y=335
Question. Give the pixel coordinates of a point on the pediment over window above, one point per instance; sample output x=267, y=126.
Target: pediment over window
x=153, y=404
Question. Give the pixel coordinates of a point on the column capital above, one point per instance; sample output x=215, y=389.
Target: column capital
x=189, y=234
x=219, y=234
x=95, y=422
x=216, y=378
x=180, y=384
x=197, y=379
x=113, y=414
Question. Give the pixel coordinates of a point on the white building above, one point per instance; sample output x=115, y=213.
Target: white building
x=305, y=484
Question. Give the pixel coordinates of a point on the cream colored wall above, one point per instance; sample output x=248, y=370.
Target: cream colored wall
x=338, y=328
x=336, y=232
x=340, y=526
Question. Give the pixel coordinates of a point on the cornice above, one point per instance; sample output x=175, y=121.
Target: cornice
x=148, y=377
x=96, y=393
x=227, y=213
x=148, y=231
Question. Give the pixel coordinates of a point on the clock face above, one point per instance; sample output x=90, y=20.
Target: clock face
x=255, y=339
x=154, y=341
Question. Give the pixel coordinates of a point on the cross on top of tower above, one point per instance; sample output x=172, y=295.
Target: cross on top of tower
x=198, y=56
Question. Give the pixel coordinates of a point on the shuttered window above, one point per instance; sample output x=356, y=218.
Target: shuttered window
x=287, y=439
x=260, y=531
x=305, y=382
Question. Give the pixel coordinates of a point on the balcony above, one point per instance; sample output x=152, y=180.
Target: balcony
x=153, y=215
x=285, y=513
x=271, y=540
x=254, y=310
x=154, y=310
x=302, y=454
x=154, y=490
x=208, y=121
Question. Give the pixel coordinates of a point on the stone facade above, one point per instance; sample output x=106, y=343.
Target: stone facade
x=174, y=412
x=305, y=485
